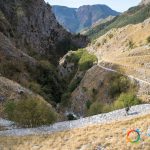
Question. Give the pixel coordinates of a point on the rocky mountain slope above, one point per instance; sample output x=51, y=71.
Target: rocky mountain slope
x=130, y=54
x=76, y=19
x=41, y=82
x=145, y=2
x=134, y=15
x=97, y=25
x=31, y=43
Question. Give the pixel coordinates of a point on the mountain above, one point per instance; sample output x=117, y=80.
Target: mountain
x=145, y=2
x=76, y=19
x=120, y=67
x=49, y=75
x=38, y=68
x=31, y=44
x=133, y=16
x=98, y=24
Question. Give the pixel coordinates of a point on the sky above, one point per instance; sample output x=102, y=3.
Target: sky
x=118, y=5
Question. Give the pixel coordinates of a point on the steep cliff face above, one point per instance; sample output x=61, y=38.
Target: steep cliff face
x=33, y=28
x=31, y=43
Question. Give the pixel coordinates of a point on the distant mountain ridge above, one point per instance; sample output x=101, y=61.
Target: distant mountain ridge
x=133, y=15
x=77, y=19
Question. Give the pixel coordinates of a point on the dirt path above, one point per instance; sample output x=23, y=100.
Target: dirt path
x=67, y=125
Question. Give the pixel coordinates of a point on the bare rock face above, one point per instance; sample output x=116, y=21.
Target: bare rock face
x=31, y=40
x=145, y=2
x=94, y=86
x=33, y=27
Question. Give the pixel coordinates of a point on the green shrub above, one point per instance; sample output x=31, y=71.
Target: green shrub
x=86, y=61
x=110, y=35
x=74, y=84
x=35, y=87
x=49, y=81
x=126, y=100
x=30, y=112
x=84, y=89
x=65, y=99
x=75, y=56
x=148, y=40
x=107, y=108
x=118, y=84
x=47, y=65
x=95, y=91
x=88, y=104
x=82, y=58
x=104, y=41
x=9, y=67
x=95, y=108
x=131, y=45
x=9, y=109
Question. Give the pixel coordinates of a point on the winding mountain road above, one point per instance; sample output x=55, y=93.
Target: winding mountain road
x=67, y=125
x=129, y=76
x=113, y=116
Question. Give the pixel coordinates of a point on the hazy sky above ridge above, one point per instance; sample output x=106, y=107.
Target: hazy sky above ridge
x=118, y=5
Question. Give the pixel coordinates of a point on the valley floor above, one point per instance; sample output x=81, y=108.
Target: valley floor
x=92, y=133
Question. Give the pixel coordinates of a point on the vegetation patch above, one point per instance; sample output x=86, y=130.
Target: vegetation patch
x=87, y=60
x=95, y=108
x=131, y=44
x=65, y=99
x=148, y=40
x=122, y=92
x=30, y=112
x=119, y=84
x=74, y=84
x=126, y=100
x=82, y=59
x=75, y=56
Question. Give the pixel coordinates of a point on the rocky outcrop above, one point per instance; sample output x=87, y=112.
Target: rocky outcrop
x=12, y=91
x=32, y=27
x=66, y=68
x=145, y=2
x=91, y=87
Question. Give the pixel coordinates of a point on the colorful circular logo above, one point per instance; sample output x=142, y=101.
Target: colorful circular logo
x=129, y=139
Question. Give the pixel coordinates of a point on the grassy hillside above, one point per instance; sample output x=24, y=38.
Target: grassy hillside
x=132, y=16
x=110, y=136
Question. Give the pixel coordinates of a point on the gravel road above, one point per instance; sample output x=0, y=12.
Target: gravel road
x=67, y=125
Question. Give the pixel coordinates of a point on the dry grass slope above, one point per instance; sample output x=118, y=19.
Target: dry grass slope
x=110, y=136
x=128, y=49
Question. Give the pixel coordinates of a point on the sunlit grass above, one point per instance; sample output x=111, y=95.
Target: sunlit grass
x=111, y=136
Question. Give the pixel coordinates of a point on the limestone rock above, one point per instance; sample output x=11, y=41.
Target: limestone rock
x=145, y=2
